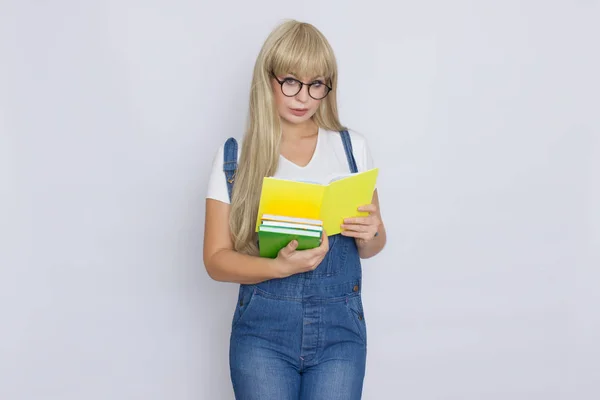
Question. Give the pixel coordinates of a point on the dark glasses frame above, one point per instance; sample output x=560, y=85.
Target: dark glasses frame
x=281, y=82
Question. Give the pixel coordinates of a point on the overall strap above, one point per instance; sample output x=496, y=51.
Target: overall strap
x=348, y=149
x=230, y=153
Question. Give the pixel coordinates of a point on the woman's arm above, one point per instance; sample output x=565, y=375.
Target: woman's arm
x=221, y=261
x=363, y=229
x=225, y=264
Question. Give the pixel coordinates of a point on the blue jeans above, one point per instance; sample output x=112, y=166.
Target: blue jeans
x=304, y=336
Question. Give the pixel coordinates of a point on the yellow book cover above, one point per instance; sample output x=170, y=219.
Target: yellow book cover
x=330, y=203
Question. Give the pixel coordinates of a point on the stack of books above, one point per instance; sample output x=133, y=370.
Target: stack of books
x=277, y=231
x=291, y=209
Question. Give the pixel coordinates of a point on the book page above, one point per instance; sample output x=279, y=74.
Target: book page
x=290, y=198
x=337, y=177
x=343, y=197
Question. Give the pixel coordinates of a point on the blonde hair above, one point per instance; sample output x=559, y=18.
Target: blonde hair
x=292, y=47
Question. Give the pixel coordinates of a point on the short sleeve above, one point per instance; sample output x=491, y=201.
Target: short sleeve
x=368, y=162
x=362, y=152
x=217, y=185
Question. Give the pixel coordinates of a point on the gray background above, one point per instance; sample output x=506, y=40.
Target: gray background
x=483, y=117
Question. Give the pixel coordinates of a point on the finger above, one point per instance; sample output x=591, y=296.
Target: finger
x=290, y=248
x=359, y=235
x=359, y=227
x=324, y=240
x=311, y=258
x=352, y=227
x=368, y=208
x=318, y=251
x=317, y=258
x=353, y=234
x=321, y=250
x=359, y=221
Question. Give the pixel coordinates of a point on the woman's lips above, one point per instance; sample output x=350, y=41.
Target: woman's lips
x=298, y=111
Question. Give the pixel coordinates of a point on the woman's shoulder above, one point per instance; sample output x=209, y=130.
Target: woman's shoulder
x=360, y=147
x=217, y=186
x=231, y=144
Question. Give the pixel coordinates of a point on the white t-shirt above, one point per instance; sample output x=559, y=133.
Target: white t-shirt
x=329, y=160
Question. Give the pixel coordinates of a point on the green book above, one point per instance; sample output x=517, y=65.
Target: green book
x=271, y=239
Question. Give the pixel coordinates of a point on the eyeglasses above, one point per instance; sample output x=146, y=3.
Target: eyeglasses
x=290, y=87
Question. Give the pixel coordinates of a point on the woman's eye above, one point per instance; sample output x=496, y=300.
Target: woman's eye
x=289, y=81
x=318, y=83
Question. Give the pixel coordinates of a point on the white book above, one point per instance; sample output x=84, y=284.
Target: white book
x=283, y=218
x=292, y=225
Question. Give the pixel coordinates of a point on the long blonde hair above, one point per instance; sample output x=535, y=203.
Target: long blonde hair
x=292, y=47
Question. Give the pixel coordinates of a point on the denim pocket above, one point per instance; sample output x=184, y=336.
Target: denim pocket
x=355, y=311
x=246, y=296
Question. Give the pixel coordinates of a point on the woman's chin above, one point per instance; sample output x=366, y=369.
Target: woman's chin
x=297, y=119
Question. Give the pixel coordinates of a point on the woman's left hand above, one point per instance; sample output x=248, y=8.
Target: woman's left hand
x=364, y=229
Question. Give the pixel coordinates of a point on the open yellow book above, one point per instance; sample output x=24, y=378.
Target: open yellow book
x=330, y=203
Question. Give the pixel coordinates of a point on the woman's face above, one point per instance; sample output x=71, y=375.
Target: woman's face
x=294, y=104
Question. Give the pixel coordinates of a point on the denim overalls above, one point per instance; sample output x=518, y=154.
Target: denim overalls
x=304, y=336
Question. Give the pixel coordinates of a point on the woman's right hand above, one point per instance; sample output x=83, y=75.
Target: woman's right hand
x=291, y=261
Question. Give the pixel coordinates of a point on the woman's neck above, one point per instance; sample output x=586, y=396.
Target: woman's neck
x=294, y=132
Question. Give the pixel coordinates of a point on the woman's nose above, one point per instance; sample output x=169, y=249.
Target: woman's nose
x=303, y=93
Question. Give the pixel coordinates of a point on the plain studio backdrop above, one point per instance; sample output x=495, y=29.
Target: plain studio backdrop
x=483, y=117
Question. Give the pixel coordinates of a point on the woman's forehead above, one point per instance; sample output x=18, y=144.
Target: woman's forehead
x=304, y=76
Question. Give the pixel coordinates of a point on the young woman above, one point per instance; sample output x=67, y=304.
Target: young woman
x=298, y=330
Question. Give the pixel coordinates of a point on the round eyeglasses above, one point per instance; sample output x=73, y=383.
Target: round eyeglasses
x=291, y=86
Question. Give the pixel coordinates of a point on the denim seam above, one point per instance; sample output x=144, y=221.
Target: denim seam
x=353, y=314
x=336, y=299
x=248, y=304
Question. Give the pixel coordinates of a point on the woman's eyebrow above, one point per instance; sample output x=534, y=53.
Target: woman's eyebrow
x=318, y=77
